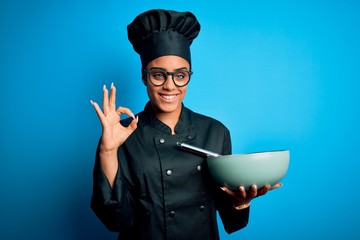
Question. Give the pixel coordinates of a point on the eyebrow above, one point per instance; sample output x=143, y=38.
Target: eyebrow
x=163, y=69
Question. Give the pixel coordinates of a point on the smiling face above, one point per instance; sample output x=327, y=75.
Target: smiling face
x=167, y=99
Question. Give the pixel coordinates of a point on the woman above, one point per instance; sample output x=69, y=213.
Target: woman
x=145, y=186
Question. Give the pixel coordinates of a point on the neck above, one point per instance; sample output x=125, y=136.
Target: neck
x=169, y=118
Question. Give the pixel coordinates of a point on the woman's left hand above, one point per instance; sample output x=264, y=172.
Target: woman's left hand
x=242, y=197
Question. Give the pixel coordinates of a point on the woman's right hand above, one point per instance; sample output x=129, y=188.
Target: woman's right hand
x=113, y=133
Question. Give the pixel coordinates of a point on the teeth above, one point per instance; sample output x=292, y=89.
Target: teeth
x=169, y=97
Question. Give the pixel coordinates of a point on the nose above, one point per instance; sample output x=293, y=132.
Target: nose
x=169, y=83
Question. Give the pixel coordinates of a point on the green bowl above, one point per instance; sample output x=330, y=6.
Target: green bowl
x=258, y=168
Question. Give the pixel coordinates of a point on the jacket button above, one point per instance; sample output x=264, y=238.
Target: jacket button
x=202, y=208
x=198, y=168
x=172, y=214
x=168, y=172
x=162, y=140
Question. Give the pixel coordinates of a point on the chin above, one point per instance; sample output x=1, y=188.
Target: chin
x=168, y=107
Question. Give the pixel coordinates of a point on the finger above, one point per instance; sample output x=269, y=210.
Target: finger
x=228, y=191
x=97, y=109
x=133, y=124
x=263, y=190
x=278, y=185
x=242, y=191
x=121, y=110
x=112, y=97
x=253, y=191
x=105, y=100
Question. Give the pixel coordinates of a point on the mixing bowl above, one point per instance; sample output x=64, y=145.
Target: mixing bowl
x=237, y=170
x=258, y=168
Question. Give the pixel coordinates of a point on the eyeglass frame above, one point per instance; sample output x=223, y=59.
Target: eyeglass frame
x=147, y=72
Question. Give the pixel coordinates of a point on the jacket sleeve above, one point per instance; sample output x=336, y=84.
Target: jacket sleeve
x=113, y=206
x=233, y=220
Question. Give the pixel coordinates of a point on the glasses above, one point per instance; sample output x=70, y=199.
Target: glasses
x=158, y=76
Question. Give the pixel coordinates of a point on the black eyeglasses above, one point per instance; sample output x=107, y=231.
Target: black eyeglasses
x=158, y=76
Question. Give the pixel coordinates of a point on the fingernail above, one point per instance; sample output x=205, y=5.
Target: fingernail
x=112, y=85
x=222, y=188
x=254, y=186
x=242, y=188
x=137, y=119
x=91, y=101
x=104, y=87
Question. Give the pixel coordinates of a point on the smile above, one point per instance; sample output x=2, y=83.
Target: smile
x=168, y=97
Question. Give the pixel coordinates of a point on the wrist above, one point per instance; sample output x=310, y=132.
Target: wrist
x=241, y=206
x=107, y=151
x=107, y=155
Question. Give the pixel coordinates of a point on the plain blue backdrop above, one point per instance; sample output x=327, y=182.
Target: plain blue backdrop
x=278, y=74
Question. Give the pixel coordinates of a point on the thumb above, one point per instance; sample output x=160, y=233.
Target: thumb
x=133, y=125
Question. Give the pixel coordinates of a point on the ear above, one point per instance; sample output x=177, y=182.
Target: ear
x=144, y=80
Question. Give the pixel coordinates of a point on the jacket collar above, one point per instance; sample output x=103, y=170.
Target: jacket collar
x=181, y=127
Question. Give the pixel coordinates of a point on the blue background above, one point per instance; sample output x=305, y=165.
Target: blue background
x=280, y=75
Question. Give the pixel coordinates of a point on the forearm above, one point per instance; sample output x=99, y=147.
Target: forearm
x=109, y=164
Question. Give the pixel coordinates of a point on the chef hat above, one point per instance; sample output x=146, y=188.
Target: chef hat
x=157, y=33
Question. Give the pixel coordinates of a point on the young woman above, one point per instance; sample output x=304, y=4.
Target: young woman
x=145, y=186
